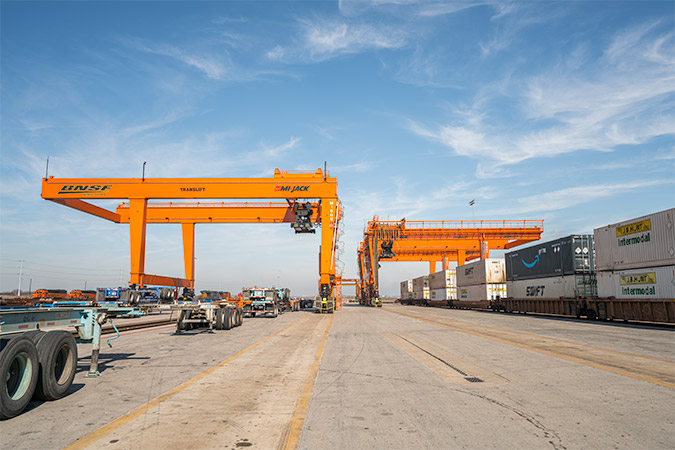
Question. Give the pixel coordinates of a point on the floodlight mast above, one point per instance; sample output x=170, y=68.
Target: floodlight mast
x=293, y=187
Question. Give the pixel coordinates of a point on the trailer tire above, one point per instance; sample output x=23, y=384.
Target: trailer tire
x=57, y=356
x=227, y=322
x=19, y=368
x=219, y=318
x=180, y=324
x=240, y=316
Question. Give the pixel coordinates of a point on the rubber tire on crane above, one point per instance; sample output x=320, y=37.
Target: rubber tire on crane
x=19, y=368
x=219, y=318
x=57, y=355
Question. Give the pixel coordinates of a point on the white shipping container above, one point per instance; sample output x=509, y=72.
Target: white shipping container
x=406, y=289
x=480, y=272
x=442, y=279
x=481, y=292
x=647, y=282
x=421, y=294
x=443, y=294
x=646, y=241
x=567, y=286
x=420, y=282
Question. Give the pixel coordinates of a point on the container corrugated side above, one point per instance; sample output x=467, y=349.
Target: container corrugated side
x=647, y=241
x=564, y=256
x=489, y=270
x=442, y=279
x=567, y=286
x=481, y=292
x=647, y=282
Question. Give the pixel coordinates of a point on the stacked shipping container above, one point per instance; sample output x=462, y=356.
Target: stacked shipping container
x=636, y=258
x=564, y=268
x=480, y=282
x=442, y=287
x=406, y=291
x=421, y=289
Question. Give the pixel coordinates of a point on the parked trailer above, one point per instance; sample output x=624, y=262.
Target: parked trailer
x=260, y=302
x=42, y=364
x=218, y=316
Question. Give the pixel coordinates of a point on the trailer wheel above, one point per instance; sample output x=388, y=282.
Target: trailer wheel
x=57, y=355
x=180, y=324
x=219, y=318
x=591, y=314
x=19, y=368
x=227, y=319
x=240, y=316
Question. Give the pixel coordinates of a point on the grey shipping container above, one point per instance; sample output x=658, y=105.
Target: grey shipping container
x=647, y=241
x=564, y=256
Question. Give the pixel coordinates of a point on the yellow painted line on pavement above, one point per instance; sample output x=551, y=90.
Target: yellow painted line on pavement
x=292, y=437
x=546, y=352
x=97, y=435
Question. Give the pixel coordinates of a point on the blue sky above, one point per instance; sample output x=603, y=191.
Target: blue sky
x=562, y=111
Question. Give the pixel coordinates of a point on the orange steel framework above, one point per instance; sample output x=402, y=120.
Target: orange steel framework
x=435, y=241
x=294, y=188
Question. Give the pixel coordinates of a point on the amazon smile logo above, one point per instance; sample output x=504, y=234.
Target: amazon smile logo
x=532, y=264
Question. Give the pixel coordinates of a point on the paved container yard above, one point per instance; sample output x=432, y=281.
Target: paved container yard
x=391, y=377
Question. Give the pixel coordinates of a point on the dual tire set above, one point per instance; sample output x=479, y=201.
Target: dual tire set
x=35, y=365
x=226, y=319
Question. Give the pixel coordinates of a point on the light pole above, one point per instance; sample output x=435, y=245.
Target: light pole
x=473, y=211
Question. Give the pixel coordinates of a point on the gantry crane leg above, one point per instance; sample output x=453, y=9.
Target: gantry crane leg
x=137, y=226
x=189, y=252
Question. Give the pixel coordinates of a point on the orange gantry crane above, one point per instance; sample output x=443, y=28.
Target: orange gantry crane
x=434, y=241
x=310, y=200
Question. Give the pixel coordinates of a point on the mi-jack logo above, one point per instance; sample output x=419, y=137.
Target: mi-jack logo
x=291, y=189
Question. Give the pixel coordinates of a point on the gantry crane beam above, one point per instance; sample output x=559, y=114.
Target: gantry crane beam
x=434, y=241
x=271, y=212
x=290, y=186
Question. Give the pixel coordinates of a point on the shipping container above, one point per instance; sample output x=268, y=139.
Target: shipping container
x=406, y=289
x=647, y=282
x=567, y=286
x=647, y=241
x=443, y=294
x=442, y=279
x=480, y=272
x=420, y=282
x=421, y=295
x=481, y=292
x=564, y=256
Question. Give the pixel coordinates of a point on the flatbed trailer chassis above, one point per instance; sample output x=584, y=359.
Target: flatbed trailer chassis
x=212, y=316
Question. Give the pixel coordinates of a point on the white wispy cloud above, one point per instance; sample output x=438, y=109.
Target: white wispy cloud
x=320, y=39
x=624, y=98
x=577, y=195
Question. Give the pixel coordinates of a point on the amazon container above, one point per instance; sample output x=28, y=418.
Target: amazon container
x=484, y=271
x=643, y=283
x=566, y=286
x=564, y=256
x=442, y=279
x=481, y=292
x=647, y=241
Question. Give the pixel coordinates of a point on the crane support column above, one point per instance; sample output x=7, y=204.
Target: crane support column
x=189, y=252
x=137, y=225
x=329, y=211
